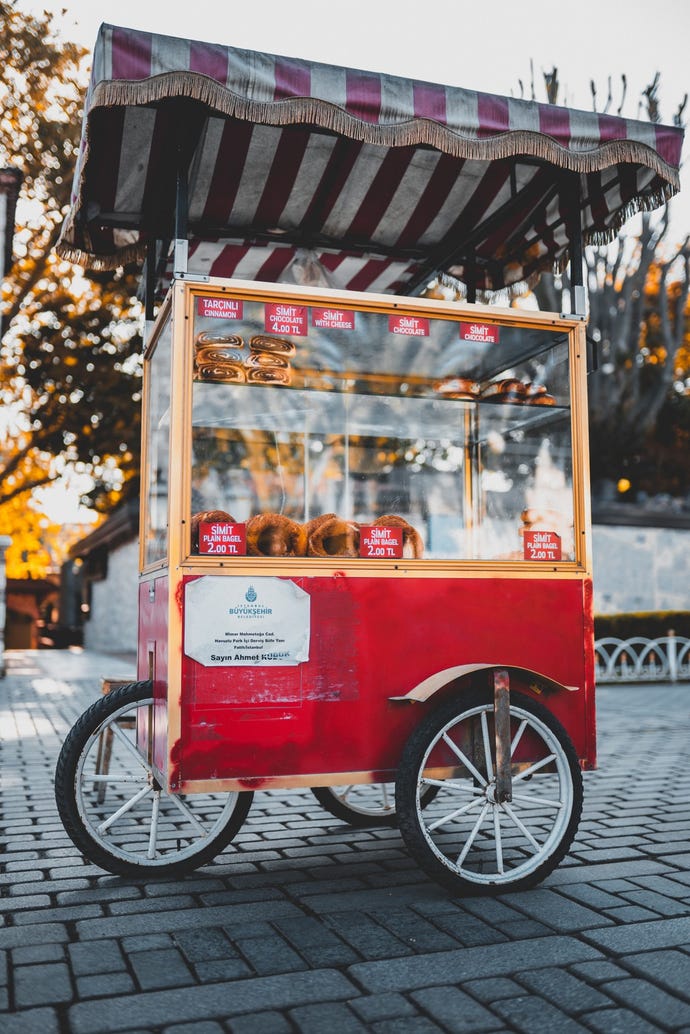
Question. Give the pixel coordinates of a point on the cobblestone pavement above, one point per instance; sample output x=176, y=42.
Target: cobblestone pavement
x=305, y=924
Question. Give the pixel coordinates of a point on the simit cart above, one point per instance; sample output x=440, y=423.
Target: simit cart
x=365, y=536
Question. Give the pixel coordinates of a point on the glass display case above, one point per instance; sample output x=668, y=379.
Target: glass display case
x=342, y=430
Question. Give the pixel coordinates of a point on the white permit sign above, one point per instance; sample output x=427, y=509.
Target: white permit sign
x=239, y=622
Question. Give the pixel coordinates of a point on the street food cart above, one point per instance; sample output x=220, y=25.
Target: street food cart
x=365, y=537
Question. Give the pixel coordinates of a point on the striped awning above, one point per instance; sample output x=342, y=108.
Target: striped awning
x=379, y=182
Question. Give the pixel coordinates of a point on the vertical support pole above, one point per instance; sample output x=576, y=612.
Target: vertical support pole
x=149, y=289
x=578, y=297
x=471, y=266
x=181, y=214
x=504, y=782
x=672, y=656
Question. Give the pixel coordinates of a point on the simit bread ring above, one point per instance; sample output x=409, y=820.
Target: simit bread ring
x=206, y=517
x=413, y=547
x=509, y=390
x=332, y=536
x=273, y=535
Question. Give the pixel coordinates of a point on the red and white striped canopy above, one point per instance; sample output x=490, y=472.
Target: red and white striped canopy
x=382, y=182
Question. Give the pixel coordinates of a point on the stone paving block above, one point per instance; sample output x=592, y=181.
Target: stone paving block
x=671, y=969
x=366, y=900
x=207, y=1027
x=493, y=989
x=598, y=971
x=67, y=914
x=469, y=930
x=367, y=937
x=630, y=914
x=315, y=941
x=31, y=1021
x=532, y=1015
x=42, y=985
x=455, y=967
x=221, y=969
x=85, y=961
x=593, y=897
x=406, y=1025
x=192, y=1004
x=662, y=885
x=455, y=1011
x=557, y=911
x=34, y=933
x=387, y=1006
x=38, y=953
x=162, y=968
x=412, y=929
x=204, y=944
x=658, y=903
x=624, y=940
x=568, y=992
x=28, y=901
x=147, y=942
x=593, y=873
x=259, y=1023
x=155, y=922
x=270, y=955
x=618, y=1021
x=102, y=985
x=653, y=1002
x=335, y=1016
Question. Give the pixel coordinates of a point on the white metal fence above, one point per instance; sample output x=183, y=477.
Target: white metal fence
x=643, y=660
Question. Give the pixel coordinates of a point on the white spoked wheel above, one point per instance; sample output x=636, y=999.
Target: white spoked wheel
x=364, y=804
x=360, y=804
x=115, y=810
x=467, y=839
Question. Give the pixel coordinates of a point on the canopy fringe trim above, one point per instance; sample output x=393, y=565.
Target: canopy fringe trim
x=296, y=110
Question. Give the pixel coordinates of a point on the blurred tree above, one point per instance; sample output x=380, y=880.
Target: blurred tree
x=70, y=352
x=639, y=323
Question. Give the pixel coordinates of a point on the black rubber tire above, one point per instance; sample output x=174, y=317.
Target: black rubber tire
x=452, y=873
x=78, y=745
x=360, y=819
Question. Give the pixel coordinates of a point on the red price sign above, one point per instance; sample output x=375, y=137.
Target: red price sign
x=542, y=545
x=219, y=538
x=281, y=318
x=411, y=326
x=333, y=319
x=220, y=308
x=488, y=333
x=380, y=543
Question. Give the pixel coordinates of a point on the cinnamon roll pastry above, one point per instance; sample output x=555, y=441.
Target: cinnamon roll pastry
x=331, y=536
x=267, y=343
x=268, y=375
x=207, y=517
x=260, y=360
x=226, y=372
x=413, y=547
x=219, y=354
x=212, y=337
x=273, y=535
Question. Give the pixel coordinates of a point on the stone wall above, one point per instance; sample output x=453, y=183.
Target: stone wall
x=640, y=569
x=112, y=623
